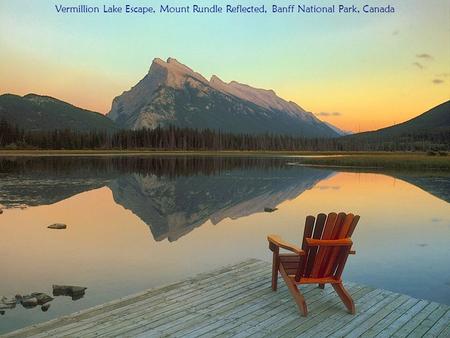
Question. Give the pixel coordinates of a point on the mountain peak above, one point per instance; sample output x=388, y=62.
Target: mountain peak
x=175, y=61
x=177, y=73
x=158, y=61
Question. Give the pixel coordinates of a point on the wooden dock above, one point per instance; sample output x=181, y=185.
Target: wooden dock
x=237, y=301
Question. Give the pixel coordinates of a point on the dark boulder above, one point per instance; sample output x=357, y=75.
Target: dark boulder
x=76, y=292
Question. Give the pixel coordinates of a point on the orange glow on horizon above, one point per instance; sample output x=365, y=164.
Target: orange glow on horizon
x=360, y=107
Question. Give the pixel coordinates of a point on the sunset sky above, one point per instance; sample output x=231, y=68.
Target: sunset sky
x=359, y=72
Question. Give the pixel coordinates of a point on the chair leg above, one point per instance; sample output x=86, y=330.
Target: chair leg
x=275, y=265
x=345, y=297
x=295, y=292
x=322, y=286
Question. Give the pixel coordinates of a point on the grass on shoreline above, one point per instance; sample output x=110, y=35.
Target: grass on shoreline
x=372, y=160
x=396, y=161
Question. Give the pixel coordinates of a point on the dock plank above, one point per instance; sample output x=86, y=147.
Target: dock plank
x=403, y=319
x=296, y=327
x=237, y=301
x=337, y=319
x=389, y=319
x=174, y=311
x=118, y=314
x=415, y=321
x=439, y=326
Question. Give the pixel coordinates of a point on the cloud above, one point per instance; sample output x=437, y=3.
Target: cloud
x=396, y=32
x=328, y=114
x=424, y=56
x=418, y=65
x=438, y=81
x=443, y=75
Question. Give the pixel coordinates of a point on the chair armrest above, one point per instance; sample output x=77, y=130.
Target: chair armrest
x=277, y=241
x=329, y=242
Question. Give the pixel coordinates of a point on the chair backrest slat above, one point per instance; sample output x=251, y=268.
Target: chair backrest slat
x=317, y=234
x=309, y=228
x=343, y=255
x=341, y=260
x=307, y=233
x=321, y=261
x=342, y=232
x=327, y=233
x=353, y=226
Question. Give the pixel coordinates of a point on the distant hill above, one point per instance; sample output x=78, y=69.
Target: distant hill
x=434, y=120
x=339, y=131
x=42, y=113
x=173, y=94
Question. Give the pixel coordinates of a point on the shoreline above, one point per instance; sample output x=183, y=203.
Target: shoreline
x=48, y=152
x=343, y=160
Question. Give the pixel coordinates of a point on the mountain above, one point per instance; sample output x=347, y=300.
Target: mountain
x=434, y=121
x=173, y=94
x=38, y=113
x=339, y=131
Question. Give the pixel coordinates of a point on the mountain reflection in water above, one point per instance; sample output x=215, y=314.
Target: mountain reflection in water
x=172, y=207
x=172, y=195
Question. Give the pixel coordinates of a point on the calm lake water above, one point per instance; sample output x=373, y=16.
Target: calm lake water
x=140, y=222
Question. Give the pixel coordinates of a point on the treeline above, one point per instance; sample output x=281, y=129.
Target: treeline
x=113, y=166
x=438, y=140
x=175, y=138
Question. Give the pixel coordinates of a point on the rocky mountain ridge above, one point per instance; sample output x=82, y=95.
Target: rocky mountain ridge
x=174, y=94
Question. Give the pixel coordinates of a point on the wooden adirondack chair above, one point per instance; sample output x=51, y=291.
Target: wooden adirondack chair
x=321, y=259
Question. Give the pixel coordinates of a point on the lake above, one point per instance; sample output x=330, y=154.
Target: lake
x=135, y=223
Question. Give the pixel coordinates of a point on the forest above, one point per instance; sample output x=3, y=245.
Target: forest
x=186, y=139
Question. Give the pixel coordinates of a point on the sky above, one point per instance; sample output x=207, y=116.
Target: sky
x=358, y=71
